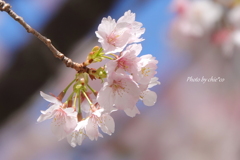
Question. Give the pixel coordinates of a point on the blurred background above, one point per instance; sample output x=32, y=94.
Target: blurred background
x=191, y=39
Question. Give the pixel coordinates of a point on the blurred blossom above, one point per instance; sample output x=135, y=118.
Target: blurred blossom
x=198, y=17
x=202, y=119
x=206, y=23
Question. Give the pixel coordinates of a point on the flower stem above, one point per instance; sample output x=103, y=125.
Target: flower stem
x=79, y=102
x=70, y=97
x=65, y=90
x=69, y=100
x=75, y=100
x=108, y=57
x=89, y=101
x=67, y=61
x=114, y=55
x=94, y=91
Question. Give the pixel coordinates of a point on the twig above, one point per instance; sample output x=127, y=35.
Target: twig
x=79, y=67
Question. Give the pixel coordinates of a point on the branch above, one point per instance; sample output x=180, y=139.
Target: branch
x=79, y=67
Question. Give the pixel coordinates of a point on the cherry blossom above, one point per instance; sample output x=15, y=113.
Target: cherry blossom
x=119, y=91
x=134, y=26
x=64, y=120
x=146, y=69
x=199, y=18
x=92, y=125
x=127, y=62
x=201, y=23
x=114, y=36
x=78, y=135
x=180, y=6
x=125, y=78
x=149, y=97
x=103, y=120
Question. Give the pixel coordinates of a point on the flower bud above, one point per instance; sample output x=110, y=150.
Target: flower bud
x=61, y=95
x=96, y=48
x=70, y=102
x=79, y=116
x=85, y=76
x=77, y=87
x=64, y=105
x=101, y=73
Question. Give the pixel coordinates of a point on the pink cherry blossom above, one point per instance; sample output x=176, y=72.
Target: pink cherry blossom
x=180, y=6
x=200, y=18
x=127, y=62
x=64, y=120
x=119, y=91
x=114, y=36
x=127, y=78
x=149, y=97
x=134, y=26
x=146, y=69
x=103, y=120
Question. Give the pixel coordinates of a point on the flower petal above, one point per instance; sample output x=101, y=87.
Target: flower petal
x=105, y=98
x=72, y=139
x=48, y=114
x=58, y=128
x=153, y=82
x=92, y=129
x=131, y=112
x=107, y=124
x=70, y=124
x=127, y=94
x=50, y=98
x=149, y=98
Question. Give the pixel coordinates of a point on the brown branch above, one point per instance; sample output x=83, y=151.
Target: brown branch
x=79, y=67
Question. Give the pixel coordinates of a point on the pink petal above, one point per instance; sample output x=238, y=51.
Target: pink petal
x=131, y=112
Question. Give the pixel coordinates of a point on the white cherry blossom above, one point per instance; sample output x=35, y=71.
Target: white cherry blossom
x=92, y=125
x=78, y=135
x=64, y=120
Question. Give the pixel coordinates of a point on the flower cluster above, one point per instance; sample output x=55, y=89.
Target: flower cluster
x=126, y=78
x=207, y=24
